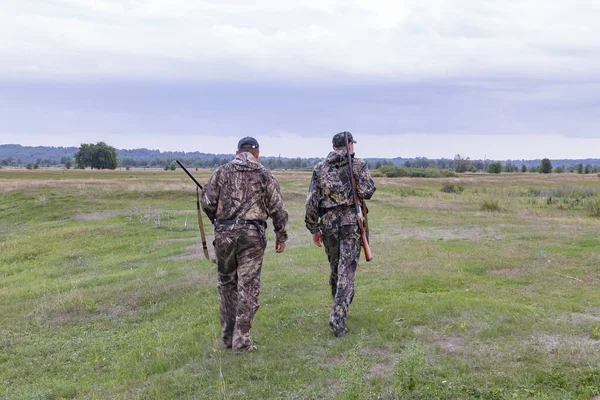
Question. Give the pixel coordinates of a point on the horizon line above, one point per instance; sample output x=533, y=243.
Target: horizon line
x=319, y=157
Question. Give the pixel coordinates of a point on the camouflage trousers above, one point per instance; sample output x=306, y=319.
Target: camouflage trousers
x=342, y=245
x=239, y=251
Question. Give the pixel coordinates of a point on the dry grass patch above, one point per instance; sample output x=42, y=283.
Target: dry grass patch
x=432, y=203
x=509, y=272
x=78, y=307
x=102, y=215
x=467, y=232
x=16, y=184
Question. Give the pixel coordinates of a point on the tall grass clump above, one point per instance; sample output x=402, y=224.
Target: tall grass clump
x=592, y=207
x=411, y=370
x=449, y=187
x=353, y=373
x=490, y=204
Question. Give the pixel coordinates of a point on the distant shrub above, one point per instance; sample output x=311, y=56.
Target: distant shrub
x=432, y=173
x=29, y=166
x=494, y=168
x=421, y=173
x=452, y=188
x=490, y=204
x=391, y=171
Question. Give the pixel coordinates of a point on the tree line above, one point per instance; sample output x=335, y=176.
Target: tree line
x=103, y=156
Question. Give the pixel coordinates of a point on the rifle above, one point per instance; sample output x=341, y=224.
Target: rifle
x=198, y=211
x=362, y=220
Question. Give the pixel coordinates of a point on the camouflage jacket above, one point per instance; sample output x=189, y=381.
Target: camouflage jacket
x=244, y=189
x=329, y=203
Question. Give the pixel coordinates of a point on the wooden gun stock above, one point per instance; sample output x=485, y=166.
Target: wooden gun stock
x=365, y=242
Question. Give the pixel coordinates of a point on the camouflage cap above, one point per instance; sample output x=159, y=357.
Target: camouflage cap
x=248, y=142
x=340, y=141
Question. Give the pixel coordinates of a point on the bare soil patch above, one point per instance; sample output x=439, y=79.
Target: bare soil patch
x=549, y=342
x=447, y=343
x=450, y=344
x=584, y=319
x=579, y=347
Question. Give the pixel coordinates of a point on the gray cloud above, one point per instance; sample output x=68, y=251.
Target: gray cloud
x=265, y=67
x=434, y=107
x=320, y=40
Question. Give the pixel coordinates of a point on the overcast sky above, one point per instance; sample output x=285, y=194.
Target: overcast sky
x=510, y=79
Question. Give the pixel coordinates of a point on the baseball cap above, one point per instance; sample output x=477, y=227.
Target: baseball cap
x=248, y=142
x=339, y=141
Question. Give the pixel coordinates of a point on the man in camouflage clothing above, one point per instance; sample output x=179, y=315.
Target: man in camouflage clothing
x=238, y=199
x=331, y=218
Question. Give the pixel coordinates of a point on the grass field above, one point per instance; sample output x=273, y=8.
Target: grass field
x=489, y=293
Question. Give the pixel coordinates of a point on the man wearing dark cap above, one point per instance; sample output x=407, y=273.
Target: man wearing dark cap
x=238, y=199
x=331, y=218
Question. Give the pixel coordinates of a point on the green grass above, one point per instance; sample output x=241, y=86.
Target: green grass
x=104, y=294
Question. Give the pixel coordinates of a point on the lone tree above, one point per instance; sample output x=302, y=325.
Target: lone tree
x=546, y=166
x=99, y=156
x=494, y=168
x=461, y=164
x=83, y=158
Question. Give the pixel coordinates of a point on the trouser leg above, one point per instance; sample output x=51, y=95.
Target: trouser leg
x=227, y=282
x=349, y=253
x=332, y=249
x=249, y=258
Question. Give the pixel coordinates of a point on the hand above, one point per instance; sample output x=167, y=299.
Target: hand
x=279, y=247
x=317, y=238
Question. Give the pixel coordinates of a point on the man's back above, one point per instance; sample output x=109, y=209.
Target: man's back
x=244, y=190
x=330, y=192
